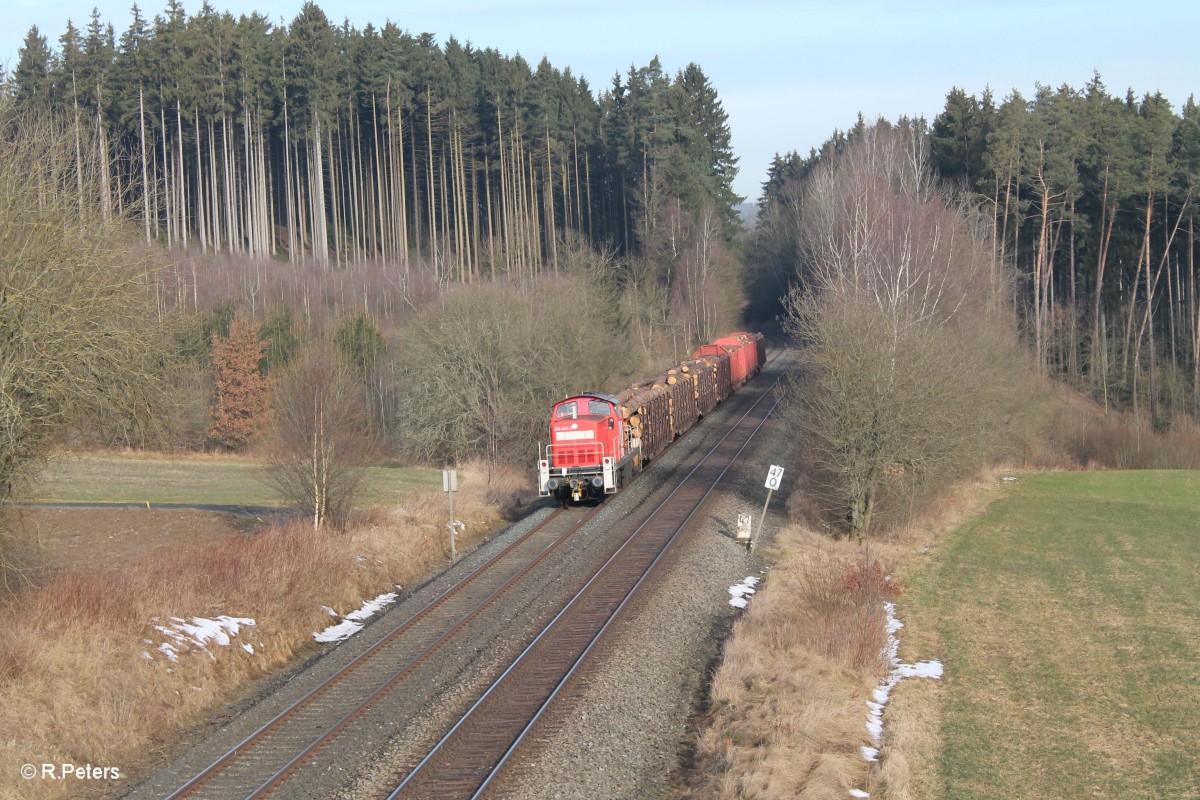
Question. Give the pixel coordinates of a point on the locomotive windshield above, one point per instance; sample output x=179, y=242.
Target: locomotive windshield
x=571, y=409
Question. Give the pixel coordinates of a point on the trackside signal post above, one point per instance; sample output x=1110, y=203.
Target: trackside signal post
x=450, y=486
x=774, y=480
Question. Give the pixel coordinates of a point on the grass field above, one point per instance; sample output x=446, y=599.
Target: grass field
x=1069, y=618
x=198, y=479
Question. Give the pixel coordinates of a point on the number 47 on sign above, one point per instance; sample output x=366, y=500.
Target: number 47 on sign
x=774, y=477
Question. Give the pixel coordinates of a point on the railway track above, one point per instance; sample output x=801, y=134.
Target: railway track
x=265, y=760
x=466, y=760
x=261, y=761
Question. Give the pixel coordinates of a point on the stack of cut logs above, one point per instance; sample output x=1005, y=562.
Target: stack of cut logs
x=665, y=406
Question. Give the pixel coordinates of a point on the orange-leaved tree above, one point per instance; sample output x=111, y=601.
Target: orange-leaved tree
x=243, y=393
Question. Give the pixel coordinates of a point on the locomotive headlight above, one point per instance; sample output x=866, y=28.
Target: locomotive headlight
x=552, y=484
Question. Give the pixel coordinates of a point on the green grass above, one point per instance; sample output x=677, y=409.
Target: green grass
x=1069, y=616
x=200, y=480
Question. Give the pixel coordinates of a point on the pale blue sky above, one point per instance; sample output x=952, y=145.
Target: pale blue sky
x=787, y=73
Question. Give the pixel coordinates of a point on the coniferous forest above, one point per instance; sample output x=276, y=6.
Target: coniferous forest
x=321, y=143
x=1091, y=196
x=324, y=181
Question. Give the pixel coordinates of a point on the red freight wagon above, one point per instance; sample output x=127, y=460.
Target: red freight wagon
x=754, y=350
x=735, y=350
x=741, y=361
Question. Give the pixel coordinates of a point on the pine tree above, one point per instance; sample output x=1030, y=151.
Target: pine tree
x=32, y=75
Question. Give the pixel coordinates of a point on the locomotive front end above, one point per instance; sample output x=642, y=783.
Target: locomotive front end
x=585, y=452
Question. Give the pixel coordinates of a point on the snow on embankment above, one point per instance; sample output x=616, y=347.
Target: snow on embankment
x=353, y=622
x=879, y=697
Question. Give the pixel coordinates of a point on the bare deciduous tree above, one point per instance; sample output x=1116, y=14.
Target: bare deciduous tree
x=78, y=334
x=322, y=435
x=917, y=367
x=481, y=368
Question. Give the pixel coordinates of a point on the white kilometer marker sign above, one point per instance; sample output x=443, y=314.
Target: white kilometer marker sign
x=774, y=477
x=774, y=480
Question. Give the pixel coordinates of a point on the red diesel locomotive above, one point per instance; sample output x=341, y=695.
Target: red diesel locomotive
x=598, y=442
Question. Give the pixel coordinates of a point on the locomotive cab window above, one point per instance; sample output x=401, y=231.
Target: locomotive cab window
x=568, y=409
x=599, y=407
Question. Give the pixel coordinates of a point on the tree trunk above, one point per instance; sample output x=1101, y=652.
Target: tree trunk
x=145, y=179
x=1041, y=268
x=1107, y=222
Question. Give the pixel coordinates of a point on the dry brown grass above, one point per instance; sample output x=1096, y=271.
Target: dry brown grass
x=788, y=701
x=787, y=716
x=1079, y=435
x=76, y=688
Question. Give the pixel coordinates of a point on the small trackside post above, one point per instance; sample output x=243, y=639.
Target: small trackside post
x=774, y=479
x=450, y=486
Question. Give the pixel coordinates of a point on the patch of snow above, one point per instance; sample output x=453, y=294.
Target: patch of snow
x=336, y=633
x=147, y=656
x=739, y=593
x=1009, y=478
x=249, y=648
x=372, y=607
x=881, y=693
x=858, y=793
x=201, y=630
x=198, y=633
x=329, y=611
x=353, y=622
x=921, y=669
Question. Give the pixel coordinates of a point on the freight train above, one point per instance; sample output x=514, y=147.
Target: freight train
x=598, y=442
